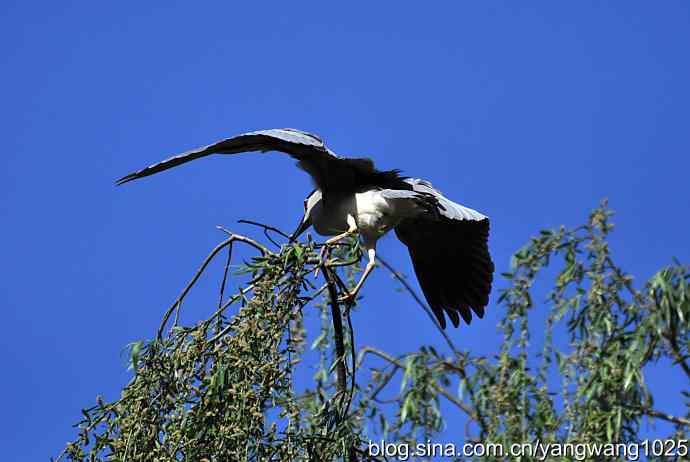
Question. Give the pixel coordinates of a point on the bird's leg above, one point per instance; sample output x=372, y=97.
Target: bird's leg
x=350, y=296
x=352, y=229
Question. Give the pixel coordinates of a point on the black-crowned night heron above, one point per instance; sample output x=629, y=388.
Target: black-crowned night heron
x=447, y=242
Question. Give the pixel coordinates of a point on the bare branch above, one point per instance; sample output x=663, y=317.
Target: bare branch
x=341, y=370
x=266, y=229
x=461, y=370
x=419, y=301
x=658, y=414
x=337, y=331
x=246, y=240
x=354, y=362
x=225, y=276
x=386, y=379
x=667, y=417
x=671, y=336
x=462, y=406
x=233, y=237
x=191, y=283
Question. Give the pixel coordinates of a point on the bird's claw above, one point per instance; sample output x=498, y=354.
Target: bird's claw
x=348, y=298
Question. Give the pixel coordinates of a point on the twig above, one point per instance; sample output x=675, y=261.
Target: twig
x=222, y=286
x=337, y=331
x=462, y=406
x=341, y=373
x=671, y=335
x=214, y=252
x=483, y=427
x=124, y=457
x=246, y=240
x=461, y=370
x=419, y=302
x=318, y=292
x=266, y=229
x=658, y=414
x=677, y=355
x=227, y=328
x=667, y=417
x=382, y=384
x=178, y=308
x=225, y=276
x=234, y=298
x=59, y=458
x=354, y=362
x=191, y=283
x=336, y=263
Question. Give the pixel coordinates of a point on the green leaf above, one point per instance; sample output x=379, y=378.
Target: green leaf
x=299, y=252
x=629, y=374
x=134, y=352
x=317, y=342
x=407, y=373
x=461, y=389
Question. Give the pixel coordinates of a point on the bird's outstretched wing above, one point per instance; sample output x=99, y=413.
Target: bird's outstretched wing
x=450, y=256
x=308, y=149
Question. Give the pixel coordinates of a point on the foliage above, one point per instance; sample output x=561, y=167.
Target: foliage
x=224, y=388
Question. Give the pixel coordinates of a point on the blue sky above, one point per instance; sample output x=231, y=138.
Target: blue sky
x=530, y=112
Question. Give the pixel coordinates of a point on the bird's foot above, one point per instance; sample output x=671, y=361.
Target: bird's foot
x=348, y=298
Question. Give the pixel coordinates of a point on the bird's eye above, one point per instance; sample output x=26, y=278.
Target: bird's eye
x=305, y=205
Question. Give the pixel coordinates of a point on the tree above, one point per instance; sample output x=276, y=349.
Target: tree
x=223, y=389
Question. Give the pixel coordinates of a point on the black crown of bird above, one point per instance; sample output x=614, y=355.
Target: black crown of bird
x=447, y=242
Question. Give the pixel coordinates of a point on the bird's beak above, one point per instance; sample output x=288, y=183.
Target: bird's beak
x=302, y=227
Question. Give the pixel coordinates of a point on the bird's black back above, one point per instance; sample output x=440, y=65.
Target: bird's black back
x=357, y=174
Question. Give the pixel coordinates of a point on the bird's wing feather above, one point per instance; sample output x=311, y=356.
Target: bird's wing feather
x=410, y=203
x=448, y=208
x=309, y=149
x=451, y=258
x=398, y=194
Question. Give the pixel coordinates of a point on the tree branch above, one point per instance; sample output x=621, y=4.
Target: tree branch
x=462, y=406
x=341, y=382
x=671, y=335
x=461, y=370
x=667, y=417
x=233, y=237
x=191, y=283
x=419, y=301
x=341, y=370
x=266, y=229
x=658, y=414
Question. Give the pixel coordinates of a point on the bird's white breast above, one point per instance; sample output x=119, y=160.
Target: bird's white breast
x=372, y=213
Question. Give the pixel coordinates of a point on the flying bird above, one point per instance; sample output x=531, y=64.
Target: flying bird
x=447, y=242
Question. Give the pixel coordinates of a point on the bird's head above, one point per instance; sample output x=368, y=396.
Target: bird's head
x=310, y=203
